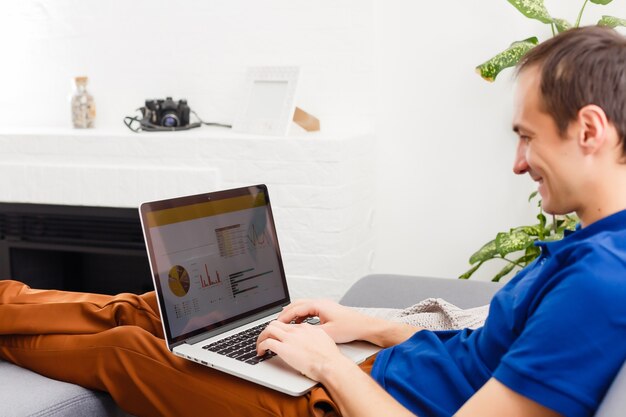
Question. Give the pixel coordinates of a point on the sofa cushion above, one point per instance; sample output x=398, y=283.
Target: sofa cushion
x=25, y=393
x=400, y=291
x=614, y=402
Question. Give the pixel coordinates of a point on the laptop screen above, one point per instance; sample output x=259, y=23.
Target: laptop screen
x=214, y=257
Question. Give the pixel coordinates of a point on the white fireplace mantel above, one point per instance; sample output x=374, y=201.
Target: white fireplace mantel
x=321, y=185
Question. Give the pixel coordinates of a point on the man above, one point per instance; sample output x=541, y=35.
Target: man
x=551, y=346
x=546, y=329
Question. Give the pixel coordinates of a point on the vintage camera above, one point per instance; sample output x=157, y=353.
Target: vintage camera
x=167, y=113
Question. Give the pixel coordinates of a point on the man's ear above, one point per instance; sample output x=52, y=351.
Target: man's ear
x=593, y=128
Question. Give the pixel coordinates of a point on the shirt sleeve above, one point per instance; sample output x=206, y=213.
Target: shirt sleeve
x=572, y=343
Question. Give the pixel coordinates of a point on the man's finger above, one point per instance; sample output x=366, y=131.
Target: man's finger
x=274, y=330
x=299, y=311
x=269, y=344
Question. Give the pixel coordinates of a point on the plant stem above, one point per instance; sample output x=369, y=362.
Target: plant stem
x=552, y=28
x=580, y=14
x=542, y=228
x=510, y=261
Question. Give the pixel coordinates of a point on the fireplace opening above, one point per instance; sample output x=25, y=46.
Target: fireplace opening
x=74, y=248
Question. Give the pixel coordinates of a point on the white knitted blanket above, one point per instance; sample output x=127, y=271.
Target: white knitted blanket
x=433, y=314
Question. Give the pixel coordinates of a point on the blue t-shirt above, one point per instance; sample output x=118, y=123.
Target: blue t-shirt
x=556, y=333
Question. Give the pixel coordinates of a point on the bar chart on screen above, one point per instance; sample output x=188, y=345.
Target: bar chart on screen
x=249, y=277
x=208, y=281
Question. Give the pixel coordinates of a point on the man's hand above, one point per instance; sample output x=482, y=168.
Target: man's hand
x=312, y=352
x=306, y=348
x=344, y=324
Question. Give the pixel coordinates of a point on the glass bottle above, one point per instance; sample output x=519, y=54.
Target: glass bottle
x=83, y=105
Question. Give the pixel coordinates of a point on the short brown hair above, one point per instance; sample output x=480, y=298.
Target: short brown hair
x=579, y=67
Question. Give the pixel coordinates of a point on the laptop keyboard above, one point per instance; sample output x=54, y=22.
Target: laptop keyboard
x=241, y=346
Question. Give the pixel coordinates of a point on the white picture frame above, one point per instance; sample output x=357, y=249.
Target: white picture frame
x=269, y=103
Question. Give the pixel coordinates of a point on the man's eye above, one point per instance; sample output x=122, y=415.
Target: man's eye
x=524, y=138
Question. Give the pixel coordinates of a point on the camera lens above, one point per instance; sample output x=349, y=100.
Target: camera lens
x=170, y=120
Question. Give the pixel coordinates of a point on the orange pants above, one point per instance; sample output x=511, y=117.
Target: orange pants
x=115, y=344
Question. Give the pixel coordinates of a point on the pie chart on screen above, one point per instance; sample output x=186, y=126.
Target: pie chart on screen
x=178, y=280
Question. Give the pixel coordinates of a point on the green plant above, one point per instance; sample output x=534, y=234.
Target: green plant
x=535, y=9
x=516, y=247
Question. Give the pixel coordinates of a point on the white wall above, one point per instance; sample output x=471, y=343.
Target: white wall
x=196, y=49
x=401, y=68
x=445, y=143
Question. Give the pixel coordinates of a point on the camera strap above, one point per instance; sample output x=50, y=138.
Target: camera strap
x=137, y=125
x=143, y=124
x=146, y=125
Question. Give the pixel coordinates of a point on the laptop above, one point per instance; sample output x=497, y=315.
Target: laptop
x=219, y=279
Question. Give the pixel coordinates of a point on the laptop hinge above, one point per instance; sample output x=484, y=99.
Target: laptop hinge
x=231, y=326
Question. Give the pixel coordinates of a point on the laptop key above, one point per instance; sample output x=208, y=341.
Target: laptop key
x=235, y=353
x=240, y=346
x=313, y=321
x=247, y=356
x=258, y=359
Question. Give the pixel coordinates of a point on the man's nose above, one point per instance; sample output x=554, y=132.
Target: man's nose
x=520, y=165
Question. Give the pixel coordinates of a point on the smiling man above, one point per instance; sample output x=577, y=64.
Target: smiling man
x=554, y=339
x=571, y=123
x=552, y=344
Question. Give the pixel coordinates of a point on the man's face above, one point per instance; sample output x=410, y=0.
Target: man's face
x=550, y=160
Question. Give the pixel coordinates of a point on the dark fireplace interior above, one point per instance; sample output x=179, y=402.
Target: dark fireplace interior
x=74, y=248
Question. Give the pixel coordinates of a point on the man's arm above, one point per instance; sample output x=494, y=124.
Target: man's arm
x=367, y=398
x=495, y=399
x=357, y=394
x=312, y=351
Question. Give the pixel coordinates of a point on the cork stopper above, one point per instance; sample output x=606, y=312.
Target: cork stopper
x=81, y=80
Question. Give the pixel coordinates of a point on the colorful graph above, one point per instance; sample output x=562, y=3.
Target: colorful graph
x=255, y=238
x=206, y=282
x=178, y=281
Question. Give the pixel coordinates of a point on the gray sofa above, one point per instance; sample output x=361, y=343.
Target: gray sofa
x=24, y=393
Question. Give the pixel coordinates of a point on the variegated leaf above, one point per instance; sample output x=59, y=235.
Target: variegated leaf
x=542, y=220
x=471, y=271
x=512, y=242
x=488, y=251
x=529, y=230
x=611, y=21
x=553, y=237
x=569, y=222
x=562, y=25
x=534, y=9
x=532, y=252
x=508, y=268
x=490, y=69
